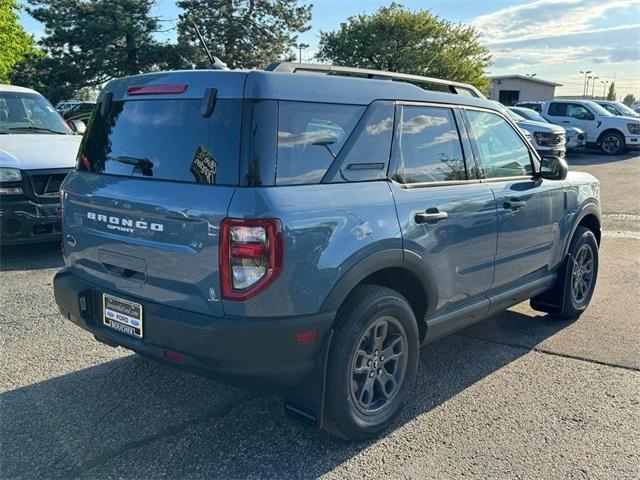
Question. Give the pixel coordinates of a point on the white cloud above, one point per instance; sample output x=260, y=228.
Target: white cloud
x=545, y=18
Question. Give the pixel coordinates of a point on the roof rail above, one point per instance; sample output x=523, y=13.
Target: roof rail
x=418, y=80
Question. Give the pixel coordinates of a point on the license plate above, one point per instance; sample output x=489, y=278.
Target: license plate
x=122, y=315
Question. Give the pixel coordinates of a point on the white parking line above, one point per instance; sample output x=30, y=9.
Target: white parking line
x=621, y=216
x=621, y=234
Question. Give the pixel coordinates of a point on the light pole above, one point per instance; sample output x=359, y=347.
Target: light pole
x=584, y=87
x=604, y=88
x=300, y=46
x=593, y=85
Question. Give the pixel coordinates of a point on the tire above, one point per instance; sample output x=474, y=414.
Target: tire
x=356, y=407
x=612, y=143
x=569, y=305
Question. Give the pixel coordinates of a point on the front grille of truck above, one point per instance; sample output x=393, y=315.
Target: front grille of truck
x=43, y=186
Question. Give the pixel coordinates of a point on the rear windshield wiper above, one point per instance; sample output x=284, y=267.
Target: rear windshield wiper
x=142, y=165
x=39, y=129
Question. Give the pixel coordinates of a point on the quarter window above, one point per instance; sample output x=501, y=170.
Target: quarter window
x=310, y=136
x=502, y=152
x=428, y=146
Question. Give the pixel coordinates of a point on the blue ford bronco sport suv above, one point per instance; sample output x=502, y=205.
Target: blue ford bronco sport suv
x=309, y=227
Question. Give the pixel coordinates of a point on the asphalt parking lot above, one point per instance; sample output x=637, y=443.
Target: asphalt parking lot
x=522, y=395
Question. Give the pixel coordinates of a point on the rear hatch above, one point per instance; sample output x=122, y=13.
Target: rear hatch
x=156, y=172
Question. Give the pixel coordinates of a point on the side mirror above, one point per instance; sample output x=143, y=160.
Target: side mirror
x=78, y=126
x=553, y=168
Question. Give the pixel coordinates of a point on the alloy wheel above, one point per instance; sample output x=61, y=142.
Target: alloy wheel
x=378, y=366
x=582, y=274
x=611, y=144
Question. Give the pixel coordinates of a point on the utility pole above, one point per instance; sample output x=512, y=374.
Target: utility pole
x=584, y=87
x=593, y=85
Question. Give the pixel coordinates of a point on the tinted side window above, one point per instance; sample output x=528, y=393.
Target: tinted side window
x=366, y=155
x=578, y=111
x=310, y=136
x=428, y=147
x=558, y=109
x=502, y=152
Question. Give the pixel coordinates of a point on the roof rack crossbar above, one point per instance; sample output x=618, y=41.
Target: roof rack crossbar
x=293, y=67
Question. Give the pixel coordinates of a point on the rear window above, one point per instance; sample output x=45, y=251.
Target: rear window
x=310, y=136
x=165, y=139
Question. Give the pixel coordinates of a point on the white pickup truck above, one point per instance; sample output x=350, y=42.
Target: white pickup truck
x=611, y=134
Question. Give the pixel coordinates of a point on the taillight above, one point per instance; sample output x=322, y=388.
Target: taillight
x=251, y=252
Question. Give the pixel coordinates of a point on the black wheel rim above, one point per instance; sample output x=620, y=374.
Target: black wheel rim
x=378, y=365
x=582, y=274
x=611, y=144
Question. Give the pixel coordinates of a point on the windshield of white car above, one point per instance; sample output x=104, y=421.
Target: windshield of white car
x=29, y=113
x=603, y=112
x=623, y=109
x=532, y=115
x=516, y=117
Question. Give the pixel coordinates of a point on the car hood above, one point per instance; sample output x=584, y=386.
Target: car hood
x=540, y=127
x=618, y=120
x=38, y=151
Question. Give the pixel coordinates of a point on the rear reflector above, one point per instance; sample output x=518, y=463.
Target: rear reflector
x=306, y=337
x=156, y=89
x=174, y=357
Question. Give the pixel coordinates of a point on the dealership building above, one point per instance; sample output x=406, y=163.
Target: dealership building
x=511, y=89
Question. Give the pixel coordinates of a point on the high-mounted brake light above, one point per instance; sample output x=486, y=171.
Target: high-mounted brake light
x=251, y=253
x=157, y=89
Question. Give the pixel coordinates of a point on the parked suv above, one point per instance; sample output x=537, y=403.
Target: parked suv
x=311, y=231
x=611, y=134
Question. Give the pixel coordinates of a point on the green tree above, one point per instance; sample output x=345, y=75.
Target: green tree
x=242, y=33
x=398, y=40
x=15, y=43
x=629, y=99
x=611, y=94
x=87, y=43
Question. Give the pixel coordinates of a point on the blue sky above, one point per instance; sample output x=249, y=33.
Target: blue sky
x=554, y=39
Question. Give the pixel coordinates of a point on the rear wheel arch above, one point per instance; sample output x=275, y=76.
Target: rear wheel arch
x=389, y=269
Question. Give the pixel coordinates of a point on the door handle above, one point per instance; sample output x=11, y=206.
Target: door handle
x=566, y=121
x=430, y=216
x=514, y=204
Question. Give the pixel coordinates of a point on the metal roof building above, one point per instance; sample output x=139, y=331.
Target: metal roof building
x=511, y=89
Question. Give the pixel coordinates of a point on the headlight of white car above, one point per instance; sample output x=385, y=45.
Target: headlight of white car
x=10, y=175
x=634, y=128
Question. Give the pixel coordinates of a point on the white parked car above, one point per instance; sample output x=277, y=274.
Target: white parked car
x=617, y=108
x=575, y=136
x=37, y=150
x=611, y=134
x=548, y=139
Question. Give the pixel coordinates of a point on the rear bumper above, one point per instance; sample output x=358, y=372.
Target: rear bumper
x=257, y=352
x=28, y=222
